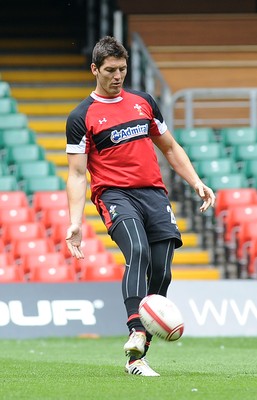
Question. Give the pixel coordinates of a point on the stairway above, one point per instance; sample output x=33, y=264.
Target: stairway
x=48, y=76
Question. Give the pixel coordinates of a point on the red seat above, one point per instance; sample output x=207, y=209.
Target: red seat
x=55, y=216
x=107, y=272
x=59, y=232
x=6, y=259
x=11, y=274
x=50, y=199
x=22, y=247
x=226, y=198
x=94, y=260
x=25, y=230
x=247, y=232
x=236, y=216
x=56, y=274
x=13, y=200
x=89, y=247
x=31, y=261
x=16, y=215
x=251, y=268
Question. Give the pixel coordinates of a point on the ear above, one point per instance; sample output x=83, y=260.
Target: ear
x=93, y=69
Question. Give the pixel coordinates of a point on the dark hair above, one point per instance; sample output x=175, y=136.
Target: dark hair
x=108, y=46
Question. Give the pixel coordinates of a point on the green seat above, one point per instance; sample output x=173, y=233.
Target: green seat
x=8, y=183
x=43, y=184
x=207, y=151
x=195, y=136
x=8, y=105
x=15, y=137
x=4, y=170
x=221, y=166
x=228, y=181
x=250, y=168
x=24, y=153
x=240, y=135
x=11, y=121
x=32, y=169
x=4, y=89
x=243, y=152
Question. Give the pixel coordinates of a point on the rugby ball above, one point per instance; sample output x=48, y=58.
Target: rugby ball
x=161, y=317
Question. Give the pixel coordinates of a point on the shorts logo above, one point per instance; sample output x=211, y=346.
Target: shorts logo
x=113, y=212
x=130, y=132
x=172, y=216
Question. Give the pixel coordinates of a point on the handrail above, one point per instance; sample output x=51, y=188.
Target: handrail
x=189, y=95
x=146, y=76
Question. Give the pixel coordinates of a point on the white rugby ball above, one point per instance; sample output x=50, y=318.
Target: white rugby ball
x=161, y=317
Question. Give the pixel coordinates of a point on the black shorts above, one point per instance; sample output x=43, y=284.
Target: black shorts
x=151, y=206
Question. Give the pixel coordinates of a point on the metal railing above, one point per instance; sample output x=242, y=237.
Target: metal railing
x=146, y=76
x=189, y=96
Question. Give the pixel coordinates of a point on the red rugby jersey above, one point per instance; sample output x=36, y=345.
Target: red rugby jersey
x=115, y=133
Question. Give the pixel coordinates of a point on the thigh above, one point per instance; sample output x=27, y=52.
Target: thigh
x=117, y=205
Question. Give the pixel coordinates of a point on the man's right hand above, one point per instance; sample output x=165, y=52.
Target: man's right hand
x=73, y=240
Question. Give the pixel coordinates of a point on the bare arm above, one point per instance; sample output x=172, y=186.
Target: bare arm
x=76, y=192
x=180, y=162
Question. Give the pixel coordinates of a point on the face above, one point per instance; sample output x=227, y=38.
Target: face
x=110, y=76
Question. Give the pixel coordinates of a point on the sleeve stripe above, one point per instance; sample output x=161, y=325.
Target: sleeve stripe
x=76, y=148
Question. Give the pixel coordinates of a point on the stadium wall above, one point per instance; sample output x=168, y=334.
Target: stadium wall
x=209, y=308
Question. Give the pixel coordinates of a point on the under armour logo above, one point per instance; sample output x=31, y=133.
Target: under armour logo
x=139, y=109
x=101, y=121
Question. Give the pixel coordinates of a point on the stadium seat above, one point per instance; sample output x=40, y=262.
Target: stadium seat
x=16, y=137
x=25, y=230
x=8, y=183
x=107, y=272
x=13, y=199
x=90, y=246
x=238, y=136
x=207, y=151
x=251, y=267
x=43, y=184
x=194, y=136
x=59, y=232
x=6, y=259
x=96, y=260
x=32, y=169
x=11, y=274
x=245, y=234
x=13, y=121
x=22, y=247
x=4, y=89
x=24, y=153
x=221, y=166
x=54, y=216
x=236, y=216
x=243, y=152
x=51, y=259
x=57, y=274
x=4, y=170
x=8, y=105
x=16, y=215
x=50, y=199
x=250, y=169
x=226, y=198
x=228, y=181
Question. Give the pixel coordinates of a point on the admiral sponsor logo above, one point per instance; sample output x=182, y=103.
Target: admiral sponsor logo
x=130, y=132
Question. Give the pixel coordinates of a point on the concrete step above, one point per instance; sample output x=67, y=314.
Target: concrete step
x=47, y=108
x=42, y=60
x=46, y=76
x=68, y=93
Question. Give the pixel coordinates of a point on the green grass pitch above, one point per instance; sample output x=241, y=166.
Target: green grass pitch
x=93, y=369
